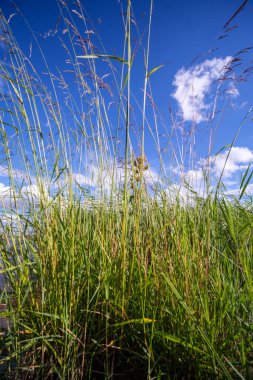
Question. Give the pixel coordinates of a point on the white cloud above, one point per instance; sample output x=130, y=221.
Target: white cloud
x=195, y=84
x=176, y=192
x=238, y=160
x=100, y=177
x=5, y=194
x=230, y=183
x=34, y=192
x=3, y=171
x=22, y=198
x=232, y=90
x=193, y=181
x=16, y=174
x=105, y=177
x=236, y=191
x=231, y=164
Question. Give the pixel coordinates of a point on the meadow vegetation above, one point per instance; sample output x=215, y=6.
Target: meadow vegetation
x=110, y=276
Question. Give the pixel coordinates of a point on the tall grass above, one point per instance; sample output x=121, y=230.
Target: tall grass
x=105, y=277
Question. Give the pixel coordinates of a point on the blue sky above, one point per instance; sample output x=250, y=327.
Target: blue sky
x=187, y=39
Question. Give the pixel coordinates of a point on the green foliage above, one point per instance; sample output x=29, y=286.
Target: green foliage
x=119, y=283
x=187, y=305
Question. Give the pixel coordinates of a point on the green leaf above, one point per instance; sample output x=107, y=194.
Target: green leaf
x=153, y=71
x=140, y=321
x=9, y=125
x=226, y=211
x=13, y=268
x=15, y=81
x=244, y=176
x=244, y=184
x=236, y=371
x=9, y=111
x=103, y=56
x=177, y=340
x=223, y=148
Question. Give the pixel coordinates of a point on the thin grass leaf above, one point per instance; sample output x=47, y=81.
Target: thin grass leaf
x=245, y=185
x=174, y=339
x=154, y=70
x=236, y=371
x=135, y=322
x=94, y=56
x=222, y=149
x=10, y=125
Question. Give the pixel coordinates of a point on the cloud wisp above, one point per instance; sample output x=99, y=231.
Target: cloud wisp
x=194, y=86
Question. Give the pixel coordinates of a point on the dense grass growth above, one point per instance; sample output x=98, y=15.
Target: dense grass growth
x=176, y=302
x=115, y=279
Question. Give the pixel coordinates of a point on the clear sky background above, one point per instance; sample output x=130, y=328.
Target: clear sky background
x=189, y=39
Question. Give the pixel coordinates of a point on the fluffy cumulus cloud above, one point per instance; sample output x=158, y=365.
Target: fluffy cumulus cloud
x=230, y=164
x=193, y=87
x=236, y=161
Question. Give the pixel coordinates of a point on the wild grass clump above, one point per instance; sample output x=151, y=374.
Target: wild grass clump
x=106, y=275
x=184, y=308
